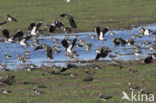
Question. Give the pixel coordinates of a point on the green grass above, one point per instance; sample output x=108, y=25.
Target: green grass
x=88, y=13
x=109, y=80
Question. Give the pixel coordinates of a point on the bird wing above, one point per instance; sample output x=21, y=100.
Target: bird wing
x=38, y=47
x=38, y=25
x=73, y=43
x=18, y=34
x=98, y=30
x=31, y=26
x=105, y=30
x=72, y=22
x=98, y=56
x=65, y=43
x=15, y=20
x=26, y=38
x=5, y=32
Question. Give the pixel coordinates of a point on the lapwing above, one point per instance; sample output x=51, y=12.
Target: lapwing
x=11, y=18
x=103, y=53
x=31, y=26
x=71, y=20
x=101, y=33
x=18, y=35
x=34, y=31
x=49, y=53
x=104, y=98
x=3, y=23
x=24, y=40
x=68, y=47
x=145, y=31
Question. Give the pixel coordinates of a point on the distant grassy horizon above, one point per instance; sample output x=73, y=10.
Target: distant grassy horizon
x=88, y=13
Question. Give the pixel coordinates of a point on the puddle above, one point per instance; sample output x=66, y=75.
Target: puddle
x=39, y=57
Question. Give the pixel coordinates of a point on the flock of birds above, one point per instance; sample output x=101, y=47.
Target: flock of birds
x=34, y=32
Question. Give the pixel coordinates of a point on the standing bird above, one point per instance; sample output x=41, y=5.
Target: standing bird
x=34, y=31
x=52, y=28
x=49, y=53
x=100, y=32
x=70, y=19
x=11, y=18
x=67, y=46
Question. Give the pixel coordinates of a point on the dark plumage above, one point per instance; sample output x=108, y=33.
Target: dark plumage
x=11, y=18
x=49, y=53
x=6, y=33
x=67, y=46
x=70, y=19
x=72, y=22
x=31, y=26
x=103, y=53
x=39, y=47
x=65, y=43
x=52, y=28
x=100, y=32
x=3, y=23
x=58, y=24
x=18, y=35
x=148, y=59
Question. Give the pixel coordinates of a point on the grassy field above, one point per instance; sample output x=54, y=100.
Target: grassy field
x=63, y=88
x=88, y=13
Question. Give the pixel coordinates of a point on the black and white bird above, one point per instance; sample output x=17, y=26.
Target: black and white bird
x=58, y=24
x=145, y=31
x=34, y=28
x=104, y=98
x=18, y=35
x=103, y=53
x=68, y=46
x=52, y=28
x=31, y=26
x=100, y=32
x=24, y=40
x=71, y=20
x=3, y=23
x=11, y=18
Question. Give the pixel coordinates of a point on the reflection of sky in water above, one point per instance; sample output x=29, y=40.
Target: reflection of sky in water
x=37, y=57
